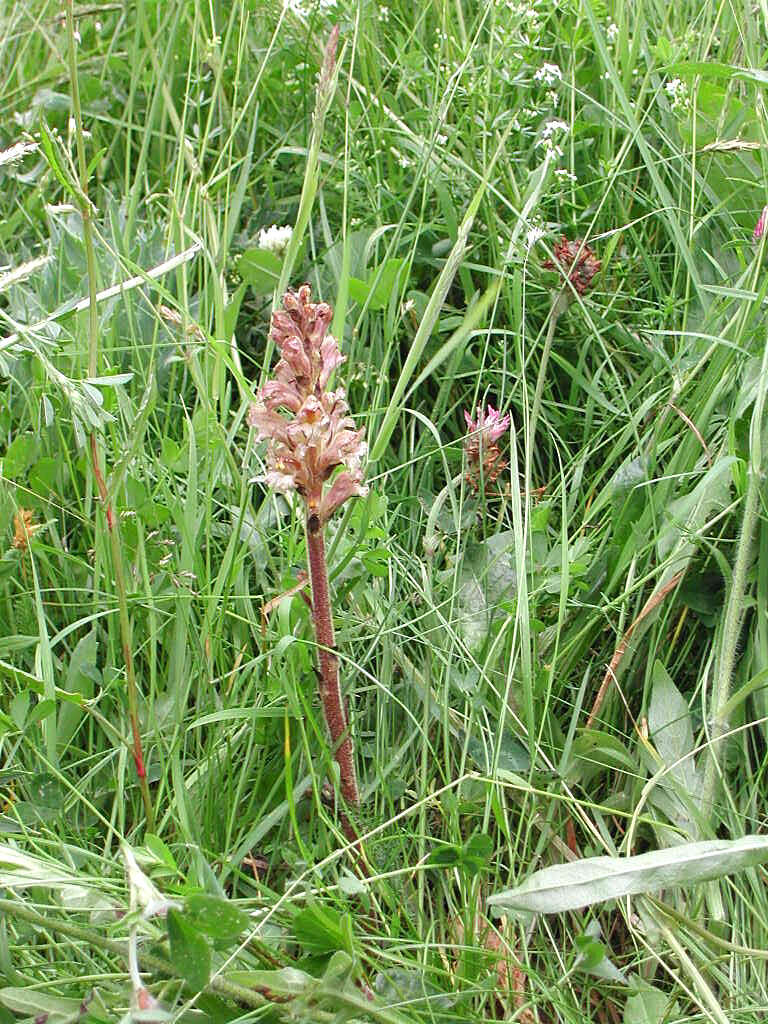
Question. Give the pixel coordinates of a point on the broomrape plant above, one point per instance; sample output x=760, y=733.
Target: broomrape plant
x=310, y=436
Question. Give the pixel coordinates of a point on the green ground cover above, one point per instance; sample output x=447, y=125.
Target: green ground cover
x=564, y=659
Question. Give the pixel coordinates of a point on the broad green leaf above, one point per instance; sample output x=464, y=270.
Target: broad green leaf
x=215, y=916
x=288, y=981
x=649, y=1006
x=19, y=707
x=19, y=456
x=713, y=69
x=159, y=849
x=596, y=879
x=321, y=929
x=82, y=676
x=669, y=722
x=190, y=953
x=376, y=293
x=476, y=855
x=32, y=1003
x=686, y=516
x=444, y=857
x=260, y=268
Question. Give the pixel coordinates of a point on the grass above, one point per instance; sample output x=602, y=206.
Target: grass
x=474, y=631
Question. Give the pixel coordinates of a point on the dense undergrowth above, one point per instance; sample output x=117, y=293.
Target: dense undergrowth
x=475, y=626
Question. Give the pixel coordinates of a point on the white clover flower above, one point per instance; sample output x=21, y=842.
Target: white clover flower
x=549, y=74
x=275, y=239
x=532, y=236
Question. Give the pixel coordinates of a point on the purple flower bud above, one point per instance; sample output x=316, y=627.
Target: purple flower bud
x=484, y=459
x=762, y=220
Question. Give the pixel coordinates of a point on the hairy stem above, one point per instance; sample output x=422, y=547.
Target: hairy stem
x=734, y=616
x=330, y=688
x=96, y=455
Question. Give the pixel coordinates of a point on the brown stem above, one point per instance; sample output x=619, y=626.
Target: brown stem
x=330, y=687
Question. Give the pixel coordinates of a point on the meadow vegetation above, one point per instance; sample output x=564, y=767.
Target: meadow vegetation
x=534, y=224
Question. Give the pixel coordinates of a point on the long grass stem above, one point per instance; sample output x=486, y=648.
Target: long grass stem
x=97, y=458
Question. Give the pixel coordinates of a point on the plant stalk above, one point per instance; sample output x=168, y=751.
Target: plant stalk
x=113, y=527
x=559, y=306
x=330, y=688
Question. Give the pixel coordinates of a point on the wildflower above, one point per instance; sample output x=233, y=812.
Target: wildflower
x=384, y=13
x=318, y=436
x=484, y=459
x=549, y=74
x=275, y=239
x=762, y=221
x=576, y=261
x=24, y=528
x=307, y=442
x=532, y=236
x=549, y=133
x=612, y=32
x=677, y=91
x=16, y=152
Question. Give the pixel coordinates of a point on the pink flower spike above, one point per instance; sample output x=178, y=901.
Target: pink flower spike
x=762, y=221
x=308, y=427
x=484, y=459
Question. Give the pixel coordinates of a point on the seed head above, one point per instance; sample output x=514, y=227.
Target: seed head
x=576, y=261
x=484, y=459
x=308, y=428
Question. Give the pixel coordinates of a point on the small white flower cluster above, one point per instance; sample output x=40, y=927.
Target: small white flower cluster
x=16, y=152
x=401, y=158
x=514, y=250
x=677, y=91
x=275, y=239
x=548, y=74
x=533, y=235
x=612, y=32
x=549, y=134
x=303, y=8
x=384, y=14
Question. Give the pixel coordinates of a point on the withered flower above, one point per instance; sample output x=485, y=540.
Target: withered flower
x=24, y=528
x=576, y=261
x=485, y=462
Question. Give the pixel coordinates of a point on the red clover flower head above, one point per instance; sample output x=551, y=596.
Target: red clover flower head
x=577, y=261
x=484, y=459
x=313, y=435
